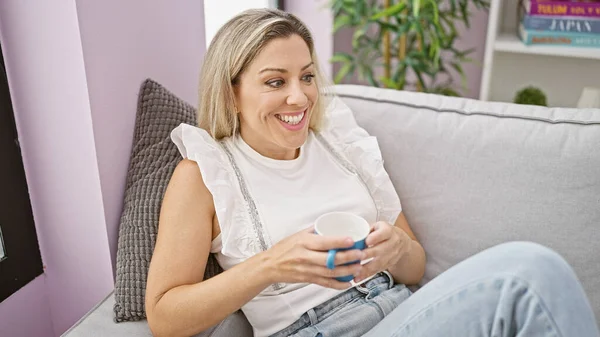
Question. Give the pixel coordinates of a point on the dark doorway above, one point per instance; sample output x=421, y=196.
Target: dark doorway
x=20, y=260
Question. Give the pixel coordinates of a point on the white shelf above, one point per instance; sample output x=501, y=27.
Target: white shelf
x=510, y=43
x=562, y=72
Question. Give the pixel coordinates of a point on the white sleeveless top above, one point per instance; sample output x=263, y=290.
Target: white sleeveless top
x=259, y=200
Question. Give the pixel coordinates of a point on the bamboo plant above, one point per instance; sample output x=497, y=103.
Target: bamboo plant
x=404, y=44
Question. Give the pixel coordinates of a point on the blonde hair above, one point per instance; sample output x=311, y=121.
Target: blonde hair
x=233, y=48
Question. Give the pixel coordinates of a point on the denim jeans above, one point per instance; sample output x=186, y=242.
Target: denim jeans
x=513, y=289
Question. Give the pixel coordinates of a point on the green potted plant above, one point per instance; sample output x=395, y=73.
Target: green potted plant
x=411, y=43
x=530, y=95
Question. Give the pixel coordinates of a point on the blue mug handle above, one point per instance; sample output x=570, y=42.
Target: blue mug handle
x=331, y=258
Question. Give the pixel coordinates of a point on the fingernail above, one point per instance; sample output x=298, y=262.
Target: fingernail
x=349, y=241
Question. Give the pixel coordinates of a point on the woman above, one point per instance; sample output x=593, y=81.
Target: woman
x=271, y=155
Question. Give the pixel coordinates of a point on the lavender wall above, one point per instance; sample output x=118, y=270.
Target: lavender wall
x=27, y=312
x=74, y=70
x=47, y=79
x=125, y=42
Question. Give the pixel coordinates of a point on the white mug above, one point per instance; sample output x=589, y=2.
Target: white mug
x=343, y=224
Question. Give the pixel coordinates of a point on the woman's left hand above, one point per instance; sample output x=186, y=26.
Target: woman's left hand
x=386, y=244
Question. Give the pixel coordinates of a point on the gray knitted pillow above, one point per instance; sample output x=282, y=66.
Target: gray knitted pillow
x=152, y=162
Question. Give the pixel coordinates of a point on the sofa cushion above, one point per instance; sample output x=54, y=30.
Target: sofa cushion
x=473, y=174
x=153, y=159
x=98, y=323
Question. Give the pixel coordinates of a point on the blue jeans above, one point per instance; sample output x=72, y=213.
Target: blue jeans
x=513, y=289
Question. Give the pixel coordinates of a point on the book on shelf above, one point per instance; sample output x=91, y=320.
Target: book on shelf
x=572, y=39
x=575, y=24
x=561, y=24
x=562, y=8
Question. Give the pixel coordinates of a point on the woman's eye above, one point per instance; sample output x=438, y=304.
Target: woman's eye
x=275, y=83
x=308, y=78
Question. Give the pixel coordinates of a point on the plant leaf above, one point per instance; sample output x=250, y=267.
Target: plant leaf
x=399, y=76
x=404, y=27
x=345, y=70
x=341, y=21
x=445, y=90
x=420, y=78
x=416, y=7
x=459, y=69
x=391, y=11
x=371, y=77
x=388, y=82
x=341, y=57
x=430, y=31
x=436, y=13
x=357, y=35
x=453, y=6
x=336, y=7
x=465, y=13
x=386, y=26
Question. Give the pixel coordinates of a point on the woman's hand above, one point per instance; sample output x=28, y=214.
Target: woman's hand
x=302, y=257
x=386, y=244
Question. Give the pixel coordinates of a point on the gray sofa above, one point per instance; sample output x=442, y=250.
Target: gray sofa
x=470, y=175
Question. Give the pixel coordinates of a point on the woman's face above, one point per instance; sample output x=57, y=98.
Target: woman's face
x=274, y=98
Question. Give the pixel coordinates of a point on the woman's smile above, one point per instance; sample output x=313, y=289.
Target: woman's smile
x=293, y=121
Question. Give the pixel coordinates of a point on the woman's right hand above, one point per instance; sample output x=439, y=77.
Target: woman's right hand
x=302, y=257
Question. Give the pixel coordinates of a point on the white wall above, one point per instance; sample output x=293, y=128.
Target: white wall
x=220, y=11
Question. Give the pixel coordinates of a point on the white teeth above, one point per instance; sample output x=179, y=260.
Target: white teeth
x=292, y=120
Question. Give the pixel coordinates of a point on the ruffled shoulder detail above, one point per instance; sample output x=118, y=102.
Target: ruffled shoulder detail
x=359, y=152
x=237, y=236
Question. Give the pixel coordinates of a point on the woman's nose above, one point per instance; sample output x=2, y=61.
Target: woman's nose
x=296, y=96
